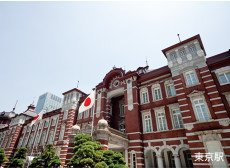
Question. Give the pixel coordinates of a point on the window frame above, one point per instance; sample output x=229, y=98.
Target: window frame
x=182, y=52
x=195, y=109
x=160, y=110
x=195, y=77
x=172, y=117
x=148, y=113
x=86, y=112
x=222, y=70
x=192, y=48
x=122, y=110
x=79, y=117
x=166, y=89
x=197, y=95
x=144, y=91
x=156, y=87
x=224, y=73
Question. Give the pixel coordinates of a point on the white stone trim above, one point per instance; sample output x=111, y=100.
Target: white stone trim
x=211, y=80
x=194, y=141
x=179, y=88
x=206, y=76
x=210, y=86
x=225, y=130
x=180, y=94
x=201, y=163
x=177, y=79
x=218, y=112
x=212, y=92
x=217, y=98
x=190, y=134
x=217, y=105
x=132, y=141
x=197, y=148
x=204, y=71
x=181, y=99
x=135, y=147
x=185, y=111
x=186, y=117
x=178, y=84
x=166, y=139
x=183, y=105
x=133, y=133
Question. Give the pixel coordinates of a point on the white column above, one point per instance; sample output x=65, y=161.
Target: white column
x=177, y=161
x=160, y=161
x=126, y=157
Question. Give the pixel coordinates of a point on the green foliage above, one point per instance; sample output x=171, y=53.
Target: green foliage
x=88, y=154
x=3, y=157
x=101, y=165
x=55, y=162
x=19, y=157
x=47, y=158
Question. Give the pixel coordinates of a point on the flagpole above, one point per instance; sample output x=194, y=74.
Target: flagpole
x=94, y=106
x=93, y=109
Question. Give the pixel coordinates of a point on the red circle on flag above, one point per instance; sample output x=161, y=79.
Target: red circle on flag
x=87, y=102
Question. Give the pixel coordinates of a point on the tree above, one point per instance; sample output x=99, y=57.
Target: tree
x=88, y=154
x=47, y=158
x=2, y=157
x=19, y=158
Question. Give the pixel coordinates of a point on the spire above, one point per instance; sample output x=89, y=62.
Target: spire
x=77, y=84
x=15, y=106
x=33, y=99
x=179, y=37
x=146, y=62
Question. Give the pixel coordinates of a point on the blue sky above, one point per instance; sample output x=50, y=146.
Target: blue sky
x=49, y=46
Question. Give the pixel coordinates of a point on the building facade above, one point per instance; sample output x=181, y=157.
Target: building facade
x=48, y=102
x=174, y=116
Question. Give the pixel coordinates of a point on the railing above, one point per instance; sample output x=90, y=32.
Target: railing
x=116, y=132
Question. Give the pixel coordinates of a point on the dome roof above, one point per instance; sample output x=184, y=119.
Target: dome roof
x=103, y=122
x=76, y=127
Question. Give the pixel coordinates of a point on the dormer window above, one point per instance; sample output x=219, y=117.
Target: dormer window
x=173, y=56
x=182, y=53
x=192, y=48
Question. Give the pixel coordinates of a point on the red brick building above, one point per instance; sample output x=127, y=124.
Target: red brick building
x=174, y=116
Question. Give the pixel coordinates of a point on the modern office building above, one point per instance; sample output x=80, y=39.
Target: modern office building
x=175, y=116
x=48, y=102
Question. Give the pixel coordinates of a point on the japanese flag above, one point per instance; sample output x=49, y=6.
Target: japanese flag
x=88, y=103
x=38, y=117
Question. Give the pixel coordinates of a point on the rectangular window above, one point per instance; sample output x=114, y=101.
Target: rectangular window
x=157, y=94
x=182, y=53
x=191, y=78
x=170, y=90
x=173, y=56
x=145, y=98
x=134, y=160
x=147, y=123
x=192, y=48
x=86, y=114
x=91, y=111
x=201, y=110
x=177, y=118
x=122, y=110
x=161, y=121
x=79, y=116
x=224, y=78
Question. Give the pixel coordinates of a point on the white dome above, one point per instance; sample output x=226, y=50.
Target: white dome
x=103, y=122
x=76, y=128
